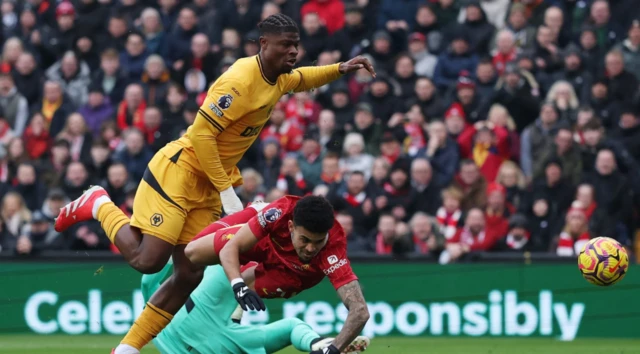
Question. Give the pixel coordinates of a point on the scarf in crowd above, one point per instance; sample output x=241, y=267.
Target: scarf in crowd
x=326, y=178
x=481, y=152
x=467, y=237
x=381, y=246
x=196, y=63
x=448, y=221
x=283, y=185
x=354, y=200
x=517, y=244
x=49, y=109
x=568, y=246
x=421, y=245
x=389, y=188
x=416, y=140
x=138, y=116
x=588, y=211
x=391, y=158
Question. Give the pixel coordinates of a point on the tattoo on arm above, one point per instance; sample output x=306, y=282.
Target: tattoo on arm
x=351, y=295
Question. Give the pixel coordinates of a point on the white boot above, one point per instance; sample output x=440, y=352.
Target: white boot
x=125, y=349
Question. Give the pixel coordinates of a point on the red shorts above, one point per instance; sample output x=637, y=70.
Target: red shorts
x=277, y=280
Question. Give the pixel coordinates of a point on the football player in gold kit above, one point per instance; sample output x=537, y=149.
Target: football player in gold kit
x=190, y=180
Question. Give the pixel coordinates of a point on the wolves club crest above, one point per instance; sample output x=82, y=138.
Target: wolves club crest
x=224, y=102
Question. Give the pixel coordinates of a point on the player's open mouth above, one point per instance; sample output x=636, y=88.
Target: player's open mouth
x=292, y=61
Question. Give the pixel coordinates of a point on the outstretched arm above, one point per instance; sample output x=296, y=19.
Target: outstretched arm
x=353, y=300
x=311, y=77
x=241, y=242
x=201, y=250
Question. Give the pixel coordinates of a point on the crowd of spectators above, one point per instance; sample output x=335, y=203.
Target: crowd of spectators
x=492, y=125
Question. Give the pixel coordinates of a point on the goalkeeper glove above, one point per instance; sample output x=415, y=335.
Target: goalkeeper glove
x=230, y=201
x=247, y=298
x=331, y=349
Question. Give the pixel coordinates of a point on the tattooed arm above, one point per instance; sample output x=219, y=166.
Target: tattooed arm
x=352, y=298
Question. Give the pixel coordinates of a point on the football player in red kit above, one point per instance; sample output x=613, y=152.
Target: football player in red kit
x=297, y=242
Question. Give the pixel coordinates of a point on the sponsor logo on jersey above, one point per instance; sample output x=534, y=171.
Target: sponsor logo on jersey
x=335, y=267
x=333, y=259
x=302, y=268
x=216, y=110
x=224, y=101
x=251, y=131
x=272, y=214
x=235, y=91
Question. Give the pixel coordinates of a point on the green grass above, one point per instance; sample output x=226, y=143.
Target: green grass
x=33, y=344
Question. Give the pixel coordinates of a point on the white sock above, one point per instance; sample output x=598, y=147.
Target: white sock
x=97, y=204
x=126, y=349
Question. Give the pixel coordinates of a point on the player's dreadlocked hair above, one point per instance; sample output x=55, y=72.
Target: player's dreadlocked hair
x=278, y=23
x=314, y=213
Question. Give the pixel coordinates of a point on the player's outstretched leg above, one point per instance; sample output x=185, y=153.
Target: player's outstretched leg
x=289, y=331
x=164, y=303
x=96, y=204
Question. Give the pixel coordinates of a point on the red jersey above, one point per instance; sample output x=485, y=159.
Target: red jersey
x=280, y=272
x=271, y=227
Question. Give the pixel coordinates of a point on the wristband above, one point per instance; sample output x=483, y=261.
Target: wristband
x=236, y=281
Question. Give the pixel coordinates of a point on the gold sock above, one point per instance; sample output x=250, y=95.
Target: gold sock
x=112, y=219
x=151, y=322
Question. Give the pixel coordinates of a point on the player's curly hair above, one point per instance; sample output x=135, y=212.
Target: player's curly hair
x=314, y=213
x=277, y=23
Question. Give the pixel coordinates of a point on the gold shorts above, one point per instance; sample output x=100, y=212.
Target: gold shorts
x=172, y=203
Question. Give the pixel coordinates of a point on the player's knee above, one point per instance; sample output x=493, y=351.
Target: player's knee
x=190, y=251
x=147, y=262
x=293, y=322
x=147, y=265
x=151, y=255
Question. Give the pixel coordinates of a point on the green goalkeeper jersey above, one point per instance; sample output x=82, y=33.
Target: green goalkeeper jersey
x=210, y=307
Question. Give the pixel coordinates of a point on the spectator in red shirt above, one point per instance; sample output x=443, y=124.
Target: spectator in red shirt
x=131, y=109
x=331, y=12
x=472, y=237
x=36, y=137
x=487, y=145
x=506, y=50
x=288, y=134
x=302, y=110
x=498, y=211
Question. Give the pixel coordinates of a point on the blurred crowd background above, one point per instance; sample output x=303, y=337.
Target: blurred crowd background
x=494, y=125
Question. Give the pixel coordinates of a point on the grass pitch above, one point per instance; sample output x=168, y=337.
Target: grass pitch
x=34, y=344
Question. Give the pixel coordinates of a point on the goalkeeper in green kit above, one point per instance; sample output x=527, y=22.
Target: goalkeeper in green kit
x=213, y=326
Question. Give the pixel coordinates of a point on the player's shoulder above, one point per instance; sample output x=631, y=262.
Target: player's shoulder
x=336, y=233
x=277, y=211
x=285, y=203
x=238, y=73
x=283, y=78
x=337, y=242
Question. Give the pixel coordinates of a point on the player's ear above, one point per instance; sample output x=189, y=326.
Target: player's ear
x=290, y=225
x=262, y=41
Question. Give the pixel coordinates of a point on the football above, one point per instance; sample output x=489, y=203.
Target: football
x=603, y=261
